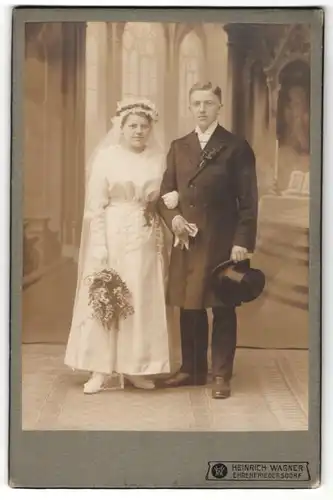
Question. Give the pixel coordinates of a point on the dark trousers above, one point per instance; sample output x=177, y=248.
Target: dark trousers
x=194, y=341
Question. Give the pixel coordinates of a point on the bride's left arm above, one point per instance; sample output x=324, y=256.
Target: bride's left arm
x=97, y=201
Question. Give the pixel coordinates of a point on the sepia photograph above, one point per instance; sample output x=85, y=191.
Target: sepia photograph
x=165, y=225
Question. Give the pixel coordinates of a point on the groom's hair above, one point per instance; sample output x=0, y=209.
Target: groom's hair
x=206, y=86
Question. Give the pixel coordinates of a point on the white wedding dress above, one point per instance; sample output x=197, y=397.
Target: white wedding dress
x=120, y=186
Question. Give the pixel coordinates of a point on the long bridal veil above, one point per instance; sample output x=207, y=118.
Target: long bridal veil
x=102, y=154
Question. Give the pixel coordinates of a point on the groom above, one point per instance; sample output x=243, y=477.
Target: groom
x=214, y=173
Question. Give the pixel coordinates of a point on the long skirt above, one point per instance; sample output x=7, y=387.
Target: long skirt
x=141, y=344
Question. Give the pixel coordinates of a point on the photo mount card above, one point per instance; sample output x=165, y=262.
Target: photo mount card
x=189, y=388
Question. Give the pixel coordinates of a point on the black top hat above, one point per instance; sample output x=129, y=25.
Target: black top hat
x=236, y=282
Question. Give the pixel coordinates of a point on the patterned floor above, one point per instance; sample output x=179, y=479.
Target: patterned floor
x=269, y=393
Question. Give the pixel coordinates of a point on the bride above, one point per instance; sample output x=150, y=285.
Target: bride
x=124, y=177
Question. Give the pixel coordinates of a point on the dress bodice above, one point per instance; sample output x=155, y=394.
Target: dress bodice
x=119, y=175
x=122, y=183
x=133, y=177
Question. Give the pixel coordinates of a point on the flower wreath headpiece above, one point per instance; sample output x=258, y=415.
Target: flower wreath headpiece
x=128, y=106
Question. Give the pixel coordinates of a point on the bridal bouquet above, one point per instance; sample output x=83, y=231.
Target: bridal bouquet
x=109, y=297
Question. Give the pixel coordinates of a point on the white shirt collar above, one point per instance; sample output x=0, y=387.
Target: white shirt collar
x=207, y=133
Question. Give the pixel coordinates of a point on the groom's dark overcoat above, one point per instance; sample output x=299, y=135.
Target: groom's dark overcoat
x=220, y=196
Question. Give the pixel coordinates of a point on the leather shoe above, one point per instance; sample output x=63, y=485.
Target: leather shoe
x=221, y=388
x=181, y=379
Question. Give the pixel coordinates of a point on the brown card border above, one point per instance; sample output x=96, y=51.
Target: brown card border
x=160, y=459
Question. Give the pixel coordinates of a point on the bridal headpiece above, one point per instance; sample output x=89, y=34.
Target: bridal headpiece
x=124, y=108
x=135, y=105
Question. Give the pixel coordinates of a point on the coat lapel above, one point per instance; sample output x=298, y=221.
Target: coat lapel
x=193, y=151
x=216, y=142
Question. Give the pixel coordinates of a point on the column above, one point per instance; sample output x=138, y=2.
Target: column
x=97, y=119
x=79, y=114
x=73, y=160
x=53, y=143
x=42, y=148
x=248, y=99
x=35, y=115
x=171, y=94
x=235, y=92
x=273, y=95
x=35, y=207
x=114, y=66
x=228, y=101
x=217, y=61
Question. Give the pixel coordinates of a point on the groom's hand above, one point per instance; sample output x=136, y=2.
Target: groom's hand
x=239, y=253
x=180, y=226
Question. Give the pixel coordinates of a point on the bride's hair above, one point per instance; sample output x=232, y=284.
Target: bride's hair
x=143, y=114
x=140, y=107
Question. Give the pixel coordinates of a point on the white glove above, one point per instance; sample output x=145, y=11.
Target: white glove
x=182, y=240
x=171, y=199
x=239, y=253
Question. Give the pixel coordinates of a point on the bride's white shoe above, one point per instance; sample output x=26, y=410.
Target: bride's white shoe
x=140, y=382
x=95, y=383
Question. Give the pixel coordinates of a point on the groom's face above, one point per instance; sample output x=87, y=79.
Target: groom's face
x=205, y=107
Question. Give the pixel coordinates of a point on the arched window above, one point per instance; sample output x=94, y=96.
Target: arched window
x=143, y=60
x=191, y=66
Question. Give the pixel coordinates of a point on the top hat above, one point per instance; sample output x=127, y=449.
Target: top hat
x=236, y=282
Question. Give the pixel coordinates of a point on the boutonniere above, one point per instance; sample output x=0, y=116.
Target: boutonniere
x=209, y=155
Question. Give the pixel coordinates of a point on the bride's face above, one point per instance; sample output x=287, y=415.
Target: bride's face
x=136, y=131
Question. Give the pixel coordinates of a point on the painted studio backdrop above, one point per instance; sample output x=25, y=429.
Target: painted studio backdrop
x=74, y=75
